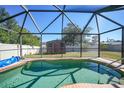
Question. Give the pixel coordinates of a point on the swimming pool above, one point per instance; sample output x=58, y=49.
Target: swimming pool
x=57, y=73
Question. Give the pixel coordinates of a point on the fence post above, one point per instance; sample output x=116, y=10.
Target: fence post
x=80, y=45
x=20, y=46
x=122, y=51
x=41, y=48
x=99, y=45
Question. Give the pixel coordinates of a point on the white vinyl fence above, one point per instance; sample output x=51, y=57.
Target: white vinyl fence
x=9, y=50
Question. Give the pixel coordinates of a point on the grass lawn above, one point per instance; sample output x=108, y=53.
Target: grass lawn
x=68, y=54
x=110, y=55
x=104, y=54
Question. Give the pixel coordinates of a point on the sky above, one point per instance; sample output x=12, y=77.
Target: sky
x=43, y=19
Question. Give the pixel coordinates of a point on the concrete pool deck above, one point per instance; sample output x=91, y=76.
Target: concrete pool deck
x=116, y=65
x=88, y=85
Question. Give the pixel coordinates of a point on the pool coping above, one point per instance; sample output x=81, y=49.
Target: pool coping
x=110, y=63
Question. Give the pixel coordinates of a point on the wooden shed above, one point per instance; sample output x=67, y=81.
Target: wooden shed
x=55, y=47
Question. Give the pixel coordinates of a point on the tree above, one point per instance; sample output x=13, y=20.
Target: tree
x=94, y=39
x=3, y=13
x=9, y=24
x=73, y=39
x=4, y=36
x=85, y=40
x=104, y=46
x=11, y=36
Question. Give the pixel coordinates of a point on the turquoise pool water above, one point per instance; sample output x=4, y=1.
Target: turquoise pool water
x=52, y=74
